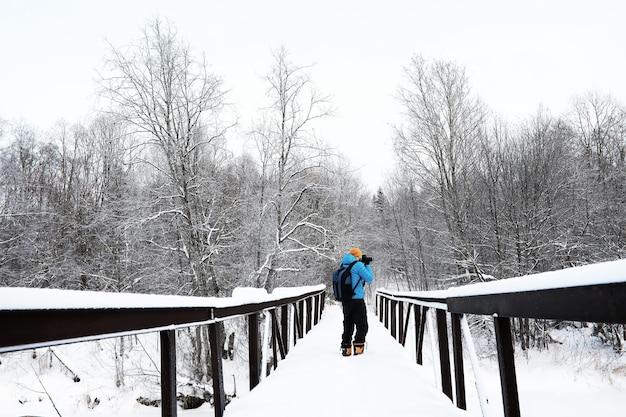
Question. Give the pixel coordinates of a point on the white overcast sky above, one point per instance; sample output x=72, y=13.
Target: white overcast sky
x=518, y=55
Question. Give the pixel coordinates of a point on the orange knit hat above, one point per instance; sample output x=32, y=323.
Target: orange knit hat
x=356, y=252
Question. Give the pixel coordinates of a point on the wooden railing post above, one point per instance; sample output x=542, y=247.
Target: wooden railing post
x=444, y=353
x=298, y=321
x=284, y=326
x=405, y=332
x=394, y=305
x=309, y=313
x=217, y=374
x=316, y=310
x=386, y=313
x=420, y=326
x=253, y=349
x=275, y=335
x=301, y=318
x=457, y=352
x=506, y=361
x=277, y=339
x=168, y=373
x=401, y=322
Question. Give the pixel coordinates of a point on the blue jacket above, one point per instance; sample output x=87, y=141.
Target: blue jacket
x=358, y=271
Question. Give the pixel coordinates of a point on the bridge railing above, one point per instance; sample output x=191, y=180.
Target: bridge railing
x=32, y=318
x=592, y=293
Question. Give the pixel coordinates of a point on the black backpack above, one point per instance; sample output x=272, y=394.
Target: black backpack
x=342, y=282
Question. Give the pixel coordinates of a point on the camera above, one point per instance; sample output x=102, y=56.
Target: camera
x=366, y=259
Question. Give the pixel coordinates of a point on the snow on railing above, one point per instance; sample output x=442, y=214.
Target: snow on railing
x=590, y=293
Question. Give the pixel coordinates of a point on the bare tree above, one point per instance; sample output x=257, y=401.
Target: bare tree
x=168, y=94
x=291, y=160
x=174, y=102
x=65, y=204
x=599, y=125
x=410, y=235
x=22, y=204
x=108, y=183
x=438, y=145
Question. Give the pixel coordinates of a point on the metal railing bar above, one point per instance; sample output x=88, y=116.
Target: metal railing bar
x=309, y=314
x=253, y=349
x=316, y=310
x=168, y=373
x=506, y=360
x=39, y=328
x=301, y=317
x=284, y=326
x=217, y=373
x=297, y=322
x=393, y=319
x=444, y=353
x=275, y=335
x=457, y=355
x=405, y=328
x=277, y=340
x=386, y=312
x=265, y=341
x=292, y=325
x=420, y=317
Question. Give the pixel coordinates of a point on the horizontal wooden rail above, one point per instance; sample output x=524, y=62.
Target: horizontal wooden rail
x=600, y=303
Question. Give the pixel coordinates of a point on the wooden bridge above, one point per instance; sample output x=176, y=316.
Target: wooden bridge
x=595, y=293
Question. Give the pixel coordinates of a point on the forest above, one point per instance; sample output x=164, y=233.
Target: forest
x=146, y=196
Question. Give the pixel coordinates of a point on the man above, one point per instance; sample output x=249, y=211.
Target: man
x=354, y=311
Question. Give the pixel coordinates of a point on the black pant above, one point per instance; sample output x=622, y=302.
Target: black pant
x=354, y=314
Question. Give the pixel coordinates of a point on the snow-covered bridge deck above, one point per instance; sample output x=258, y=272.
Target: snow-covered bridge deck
x=315, y=380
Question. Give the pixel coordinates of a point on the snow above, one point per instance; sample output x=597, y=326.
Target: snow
x=596, y=274
x=578, y=378
x=600, y=273
x=247, y=294
x=295, y=291
x=45, y=298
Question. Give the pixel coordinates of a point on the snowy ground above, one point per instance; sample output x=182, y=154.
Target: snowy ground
x=578, y=378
